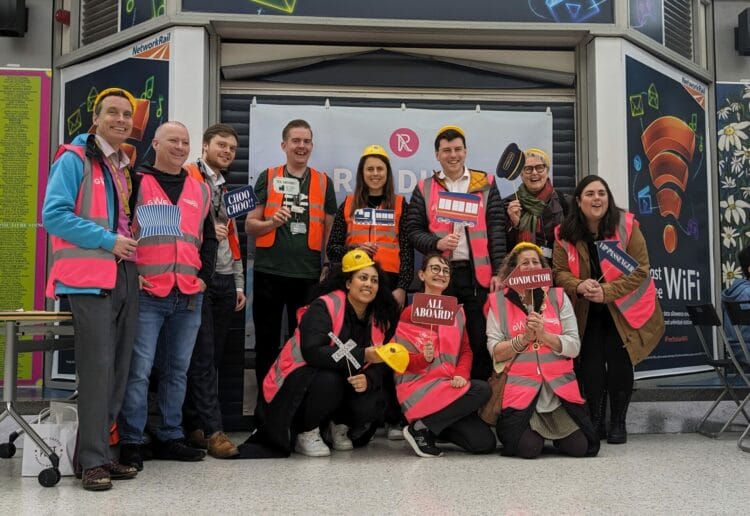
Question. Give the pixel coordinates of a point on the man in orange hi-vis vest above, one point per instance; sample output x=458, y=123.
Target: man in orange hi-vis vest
x=291, y=224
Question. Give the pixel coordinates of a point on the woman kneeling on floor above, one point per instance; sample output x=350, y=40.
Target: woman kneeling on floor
x=536, y=336
x=435, y=392
x=307, y=389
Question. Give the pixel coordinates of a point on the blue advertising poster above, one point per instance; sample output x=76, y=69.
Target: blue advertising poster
x=133, y=12
x=547, y=11
x=667, y=171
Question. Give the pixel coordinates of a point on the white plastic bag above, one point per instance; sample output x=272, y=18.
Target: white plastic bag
x=59, y=432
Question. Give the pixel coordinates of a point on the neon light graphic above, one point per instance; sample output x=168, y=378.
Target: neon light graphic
x=285, y=6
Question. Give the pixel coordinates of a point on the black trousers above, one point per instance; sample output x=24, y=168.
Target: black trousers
x=271, y=293
x=201, y=409
x=331, y=398
x=472, y=295
x=105, y=327
x=460, y=424
x=604, y=363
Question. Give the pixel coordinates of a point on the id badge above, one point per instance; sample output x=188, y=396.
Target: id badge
x=547, y=252
x=297, y=228
x=296, y=209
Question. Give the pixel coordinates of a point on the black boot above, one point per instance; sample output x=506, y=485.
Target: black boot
x=598, y=409
x=618, y=404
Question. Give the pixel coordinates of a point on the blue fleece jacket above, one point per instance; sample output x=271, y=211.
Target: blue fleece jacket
x=58, y=212
x=737, y=291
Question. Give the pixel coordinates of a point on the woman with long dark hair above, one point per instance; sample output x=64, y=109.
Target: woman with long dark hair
x=619, y=317
x=308, y=389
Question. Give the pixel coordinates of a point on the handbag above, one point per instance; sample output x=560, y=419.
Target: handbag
x=491, y=410
x=58, y=427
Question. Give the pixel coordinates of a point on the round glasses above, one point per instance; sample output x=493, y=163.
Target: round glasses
x=437, y=269
x=535, y=168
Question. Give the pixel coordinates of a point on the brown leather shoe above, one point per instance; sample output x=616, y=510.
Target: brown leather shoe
x=119, y=471
x=197, y=439
x=96, y=479
x=220, y=447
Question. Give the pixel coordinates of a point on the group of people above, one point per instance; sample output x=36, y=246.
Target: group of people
x=155, y=308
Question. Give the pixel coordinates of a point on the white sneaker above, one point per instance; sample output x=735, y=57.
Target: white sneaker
x=394, y=432
x=341, y=441
x=310, y=444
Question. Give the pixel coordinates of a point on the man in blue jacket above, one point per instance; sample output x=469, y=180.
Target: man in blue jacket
x=86, y=212
x=738, y=291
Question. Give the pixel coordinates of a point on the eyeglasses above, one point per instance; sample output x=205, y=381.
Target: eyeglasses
x=437, y=269
x=538, y=168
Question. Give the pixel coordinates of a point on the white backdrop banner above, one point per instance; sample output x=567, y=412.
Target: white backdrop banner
x=340, y=134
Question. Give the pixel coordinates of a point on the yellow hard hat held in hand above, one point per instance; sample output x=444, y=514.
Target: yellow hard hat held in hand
x=394, y=355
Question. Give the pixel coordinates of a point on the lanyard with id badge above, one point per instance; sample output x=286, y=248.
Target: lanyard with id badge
x=294, y=200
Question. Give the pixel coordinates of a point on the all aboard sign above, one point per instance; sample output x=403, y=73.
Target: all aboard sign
x=431, y=309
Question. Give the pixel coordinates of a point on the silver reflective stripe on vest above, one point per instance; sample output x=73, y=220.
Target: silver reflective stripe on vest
x=164, y=268
x=169, y=239
x=523, y=381
x=502, y=314
x=562, y=380
x=318, y=205
x=636, y=295
x=77, y=252
x=87, y=197
x=417, y=395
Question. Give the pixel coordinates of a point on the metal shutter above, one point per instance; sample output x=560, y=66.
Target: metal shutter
x=99, y=19
x=678, y=26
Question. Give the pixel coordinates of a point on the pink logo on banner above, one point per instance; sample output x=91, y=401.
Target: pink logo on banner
x=404, y=142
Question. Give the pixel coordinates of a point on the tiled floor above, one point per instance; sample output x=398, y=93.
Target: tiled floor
x=652, y=474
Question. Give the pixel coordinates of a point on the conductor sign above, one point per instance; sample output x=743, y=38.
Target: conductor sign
x=521, y=281
x=431, y=309
x=240, y=201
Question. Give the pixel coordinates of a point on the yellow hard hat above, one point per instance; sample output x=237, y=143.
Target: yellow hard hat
x=355, y=259
x=450, y=128
x=108, y=91
x=375, y=150
x=394, y=355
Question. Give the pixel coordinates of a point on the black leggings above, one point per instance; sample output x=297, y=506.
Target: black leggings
x=604, y=363
x=531, y=443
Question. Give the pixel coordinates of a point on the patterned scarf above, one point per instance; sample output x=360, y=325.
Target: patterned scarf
x=532, y=207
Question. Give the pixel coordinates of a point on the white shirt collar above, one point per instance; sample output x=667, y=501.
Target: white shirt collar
x=110, y=153
x=217, y=179
x=441, y=175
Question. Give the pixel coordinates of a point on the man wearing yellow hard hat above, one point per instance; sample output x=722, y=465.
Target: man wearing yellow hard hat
x=475, y=252
x=86, y=212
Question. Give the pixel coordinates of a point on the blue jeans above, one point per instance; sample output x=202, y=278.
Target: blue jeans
x=177, y=317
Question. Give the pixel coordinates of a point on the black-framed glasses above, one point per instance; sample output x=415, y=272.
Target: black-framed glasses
x=437, y=269
x=534, y=168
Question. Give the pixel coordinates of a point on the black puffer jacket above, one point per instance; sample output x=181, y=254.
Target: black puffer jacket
x=424, y=241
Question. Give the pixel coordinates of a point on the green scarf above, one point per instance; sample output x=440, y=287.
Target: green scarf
x=532, y=206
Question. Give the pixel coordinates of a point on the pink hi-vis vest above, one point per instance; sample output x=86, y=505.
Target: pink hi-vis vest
x=636, y=307
x=71, y=265
x=426, y=392
x=169, y=261
x=532, y=367
x=290, y=359
x=478, y=243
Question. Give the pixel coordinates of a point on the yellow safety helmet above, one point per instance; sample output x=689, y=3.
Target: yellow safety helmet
x=394, y=355
x=527, y=246
x=375, y=150
x=109, y=91
x=450, y=128
x=355, y=259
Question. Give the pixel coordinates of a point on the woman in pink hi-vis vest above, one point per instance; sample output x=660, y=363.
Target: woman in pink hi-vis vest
x=619, y=317
x=533, y=337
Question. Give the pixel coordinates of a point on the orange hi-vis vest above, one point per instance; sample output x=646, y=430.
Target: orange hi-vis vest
x=316, y=198
x=426, y=392
x=74, y=266
x=290, y=359
x=169, y=261
x=195, y=172
x=637, y=306
x=533, y=367
x=478, y=243
x=386, y=237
